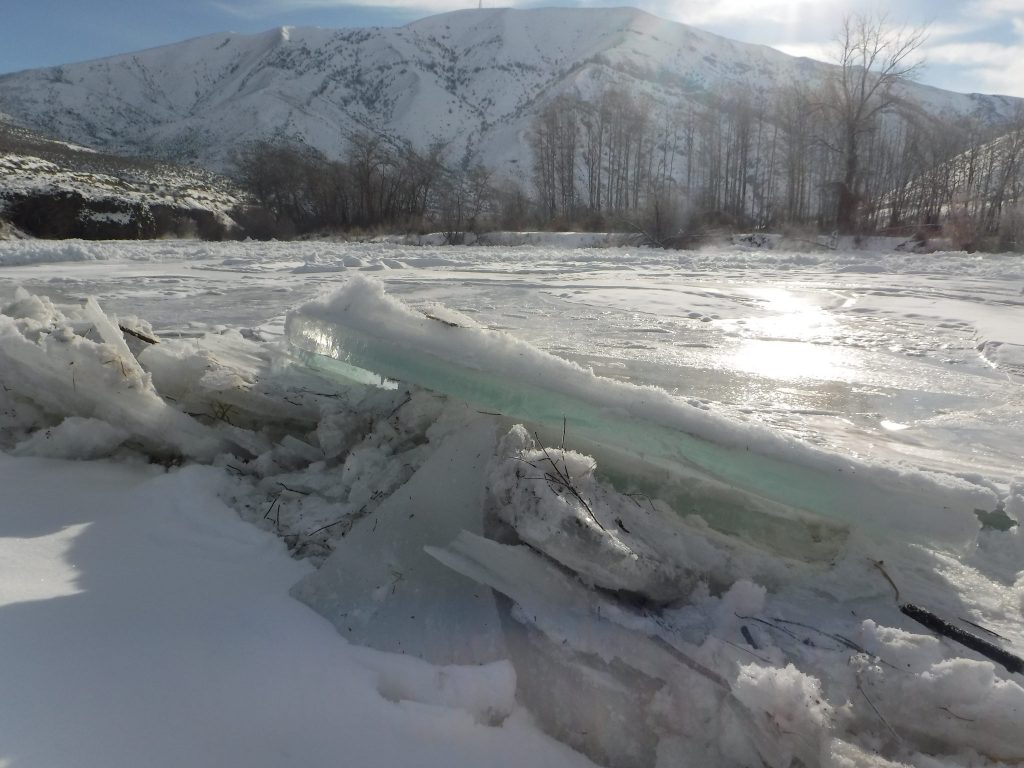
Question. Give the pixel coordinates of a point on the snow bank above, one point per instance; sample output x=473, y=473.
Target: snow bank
x=794, y=704
x=977, y=709
x=49, y=251
x=74, y=438
x=144, y=624
x=556, y=239
x=517, y=239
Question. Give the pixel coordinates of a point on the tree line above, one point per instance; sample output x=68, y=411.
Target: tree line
x=850, y=153
x=378, y=184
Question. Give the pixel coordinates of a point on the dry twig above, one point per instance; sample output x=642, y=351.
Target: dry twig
x=875, y=709
x=138, y=335
x=880, y=565
x=563, y=478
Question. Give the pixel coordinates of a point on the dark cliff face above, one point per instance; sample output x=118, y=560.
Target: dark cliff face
x=59, y=215
x=52, y=189
x=70, y=214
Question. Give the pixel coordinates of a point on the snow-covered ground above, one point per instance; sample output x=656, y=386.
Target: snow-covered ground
x=143, y=623
x=147, y=623
x=27, y=175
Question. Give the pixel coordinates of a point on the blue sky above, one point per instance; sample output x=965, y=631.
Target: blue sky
x=974, y=45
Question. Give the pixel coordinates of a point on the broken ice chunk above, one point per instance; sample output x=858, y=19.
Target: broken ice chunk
x=379, y=587
x=91, y=373
x=555, y=504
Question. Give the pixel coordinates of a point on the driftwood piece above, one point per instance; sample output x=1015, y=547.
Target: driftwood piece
x=138, y=335
x=993, y=652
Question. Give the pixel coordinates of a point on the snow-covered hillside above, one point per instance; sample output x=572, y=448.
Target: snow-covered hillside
x=57, y=189
x=472, y=79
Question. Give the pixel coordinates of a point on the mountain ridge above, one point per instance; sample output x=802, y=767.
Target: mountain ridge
x=471, y=79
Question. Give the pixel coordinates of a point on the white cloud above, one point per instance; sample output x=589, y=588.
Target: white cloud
x=996, y=9
x=784, y=12
x=969, y=46
x=990, y=67
x=263, y=8
x=990, y=62
x=949, y=30
x=818, y=51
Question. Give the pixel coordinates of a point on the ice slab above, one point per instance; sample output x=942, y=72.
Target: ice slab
x=743, y=480
x=379, y=587
x=590, y=668
x=595, y=696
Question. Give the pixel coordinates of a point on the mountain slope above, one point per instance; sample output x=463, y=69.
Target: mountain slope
x=472, y=79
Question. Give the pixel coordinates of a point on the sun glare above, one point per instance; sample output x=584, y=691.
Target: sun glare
x=791, y=339
x=41, y=569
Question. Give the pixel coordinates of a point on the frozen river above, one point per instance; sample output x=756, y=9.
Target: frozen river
x=694, y=590
x=883, y=356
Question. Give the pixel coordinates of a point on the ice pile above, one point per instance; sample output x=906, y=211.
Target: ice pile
x=657, y=585
x=76, y=363
x=745, y=481
x=632, y=535
x=380, y=588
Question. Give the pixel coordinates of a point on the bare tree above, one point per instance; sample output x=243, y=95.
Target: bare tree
x=873, y=58
x=465, y=198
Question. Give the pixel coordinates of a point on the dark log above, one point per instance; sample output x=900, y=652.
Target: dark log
x=993, y=652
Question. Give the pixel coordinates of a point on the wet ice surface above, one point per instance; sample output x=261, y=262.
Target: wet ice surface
x=883, y=356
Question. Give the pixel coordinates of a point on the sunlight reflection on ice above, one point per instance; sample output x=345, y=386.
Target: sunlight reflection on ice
x=782, y=348
x=790, y=316
x=790, y=360
x=893, y=426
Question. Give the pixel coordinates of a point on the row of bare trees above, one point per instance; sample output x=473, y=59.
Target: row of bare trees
x=378, y=184
x=299, y=190
x=849, y=152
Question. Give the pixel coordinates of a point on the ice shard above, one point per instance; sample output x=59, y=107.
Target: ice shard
x=743, y=480
x=381, y=589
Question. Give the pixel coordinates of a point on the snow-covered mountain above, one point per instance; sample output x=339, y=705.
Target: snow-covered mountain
x=473, y=79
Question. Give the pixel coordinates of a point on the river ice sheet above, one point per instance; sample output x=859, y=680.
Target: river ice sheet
x=879, y=355
x=886, y=356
